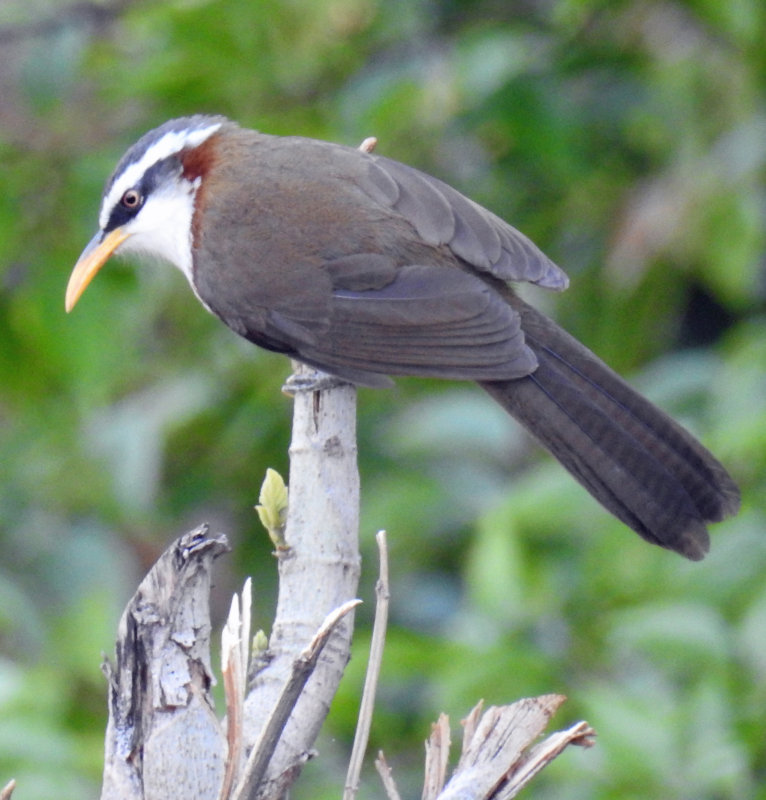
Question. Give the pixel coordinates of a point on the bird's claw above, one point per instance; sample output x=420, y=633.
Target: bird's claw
x=307, y=379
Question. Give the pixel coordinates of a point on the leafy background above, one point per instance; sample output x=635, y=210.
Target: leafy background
x=629, y=140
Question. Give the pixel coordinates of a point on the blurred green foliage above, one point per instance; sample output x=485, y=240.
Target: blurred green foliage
x=629, y=140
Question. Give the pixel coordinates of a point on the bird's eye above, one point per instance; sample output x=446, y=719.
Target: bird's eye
x=131, y=199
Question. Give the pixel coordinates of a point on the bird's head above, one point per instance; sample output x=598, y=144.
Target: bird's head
x=148, y=203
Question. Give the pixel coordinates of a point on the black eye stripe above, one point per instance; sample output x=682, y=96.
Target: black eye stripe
x=162, y=171
x=159, y=172
x=120, y=216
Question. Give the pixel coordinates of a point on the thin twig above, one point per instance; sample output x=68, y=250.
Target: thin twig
x=231, y=682
x=381, y=765
x=369, y=144
x=470, y=723
x=377, y=644
x=437, y=758
x=235, y=644
x=302, y=669
x=543, y=753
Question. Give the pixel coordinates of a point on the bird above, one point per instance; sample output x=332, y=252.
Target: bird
x=366, y=268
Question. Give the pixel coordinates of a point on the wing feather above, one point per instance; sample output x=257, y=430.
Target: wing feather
x=443, y=216
x=429, y=320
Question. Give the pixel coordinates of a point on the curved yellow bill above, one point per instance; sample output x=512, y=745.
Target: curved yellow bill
x=93, y=257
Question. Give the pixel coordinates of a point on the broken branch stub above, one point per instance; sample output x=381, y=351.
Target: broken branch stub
x=163, y=738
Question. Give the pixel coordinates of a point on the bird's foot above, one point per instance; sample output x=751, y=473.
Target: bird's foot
x=308, y=379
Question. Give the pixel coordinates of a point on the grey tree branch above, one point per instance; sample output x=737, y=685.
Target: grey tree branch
x=318, y=572
x=163, y=738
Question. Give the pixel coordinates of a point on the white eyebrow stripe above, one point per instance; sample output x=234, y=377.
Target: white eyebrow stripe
x=172, y=142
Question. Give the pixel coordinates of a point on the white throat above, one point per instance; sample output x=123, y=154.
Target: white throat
x=163, y=227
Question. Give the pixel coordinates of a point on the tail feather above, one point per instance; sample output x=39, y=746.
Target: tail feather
x=633, y=458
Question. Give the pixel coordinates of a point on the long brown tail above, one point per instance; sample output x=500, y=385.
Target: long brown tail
x=633, y=458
